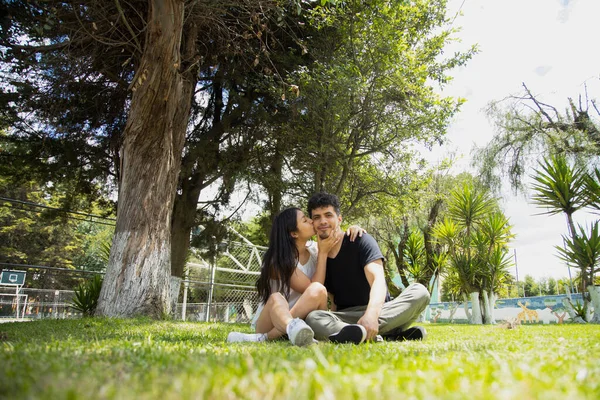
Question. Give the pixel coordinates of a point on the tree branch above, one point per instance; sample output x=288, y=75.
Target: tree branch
x=133, y=35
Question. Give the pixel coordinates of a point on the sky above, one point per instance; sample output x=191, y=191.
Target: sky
x=551, y=45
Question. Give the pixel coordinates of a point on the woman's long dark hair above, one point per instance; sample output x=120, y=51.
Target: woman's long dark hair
x=281, y=258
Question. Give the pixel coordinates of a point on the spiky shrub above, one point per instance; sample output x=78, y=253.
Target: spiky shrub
x=86, y=296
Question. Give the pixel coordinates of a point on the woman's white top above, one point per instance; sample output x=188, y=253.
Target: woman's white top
x=308, y=269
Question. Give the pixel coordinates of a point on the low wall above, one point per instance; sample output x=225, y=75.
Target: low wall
x=539, y=309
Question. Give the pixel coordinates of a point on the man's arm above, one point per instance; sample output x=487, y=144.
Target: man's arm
x=376, y=278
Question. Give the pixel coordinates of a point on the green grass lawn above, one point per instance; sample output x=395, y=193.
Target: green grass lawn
x=101, y=358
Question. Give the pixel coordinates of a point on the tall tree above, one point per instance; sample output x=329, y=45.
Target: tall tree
x=561, y=187
x=145, y=60
x=152, y=48
x=527, y=127
x=369, y=95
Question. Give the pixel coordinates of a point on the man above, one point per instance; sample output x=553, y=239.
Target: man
x=360, y=305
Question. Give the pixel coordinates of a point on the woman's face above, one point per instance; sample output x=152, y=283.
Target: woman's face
x=305, y=228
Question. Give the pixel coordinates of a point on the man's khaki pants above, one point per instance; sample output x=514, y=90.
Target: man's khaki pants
x=396, y=315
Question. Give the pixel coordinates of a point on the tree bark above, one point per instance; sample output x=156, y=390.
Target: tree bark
x=428, y=240
x=453, y=307
x=475, y=309
x=488, y=299
x=184, y=214
x=137, y=280
x=399, y=252
x=184, y=208
x=493, y=297
x=466, y=307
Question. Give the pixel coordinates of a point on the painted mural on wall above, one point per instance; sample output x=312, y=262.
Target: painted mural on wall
x=526, y=310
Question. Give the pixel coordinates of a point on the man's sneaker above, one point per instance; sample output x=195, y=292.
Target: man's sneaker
x=350, y=334
x=412, y=333
x=235, y=337
x=300, y=333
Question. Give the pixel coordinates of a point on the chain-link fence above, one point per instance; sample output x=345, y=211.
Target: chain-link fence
x=38, y=304
x=47, y=292
x=221, y=290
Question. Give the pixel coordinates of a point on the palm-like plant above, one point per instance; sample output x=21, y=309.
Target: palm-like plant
x=468, y=205
x=414, y=254
x=452, y=286
x=475, y=237
x=592, y=189
x=560, y=188
x=497, y=229
x=86, y=296
x=447, y=233
x=583, y=251
x=498, y=264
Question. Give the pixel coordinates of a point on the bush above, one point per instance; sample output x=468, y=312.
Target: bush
x=86, y=296
x=580, y=309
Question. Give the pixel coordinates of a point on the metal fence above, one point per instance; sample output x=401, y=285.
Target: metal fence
x=48, y=292
x=218, y=290
x=222, y=290
x=41, y=303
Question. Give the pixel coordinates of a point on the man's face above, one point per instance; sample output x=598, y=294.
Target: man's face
x=325, y=221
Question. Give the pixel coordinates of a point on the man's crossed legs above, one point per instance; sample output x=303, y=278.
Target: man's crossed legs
x=394, y=321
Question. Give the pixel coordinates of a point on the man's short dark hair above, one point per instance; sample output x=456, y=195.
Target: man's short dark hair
x=323, y=199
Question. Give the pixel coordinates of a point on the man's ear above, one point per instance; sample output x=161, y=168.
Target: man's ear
x=340, y=221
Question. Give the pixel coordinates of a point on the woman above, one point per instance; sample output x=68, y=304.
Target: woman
x=291, y=280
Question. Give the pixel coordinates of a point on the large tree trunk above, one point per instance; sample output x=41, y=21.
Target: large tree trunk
x=184, y=215
x=137, y=280
x=184, y=207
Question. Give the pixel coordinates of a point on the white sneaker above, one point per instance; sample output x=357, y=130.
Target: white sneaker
x=235, y=337
x=300, y=333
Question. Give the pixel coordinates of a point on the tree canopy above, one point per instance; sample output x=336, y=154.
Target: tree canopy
x=527, y=127
x=290, y=95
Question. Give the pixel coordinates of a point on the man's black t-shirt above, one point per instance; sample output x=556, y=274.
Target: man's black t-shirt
x=345, y=277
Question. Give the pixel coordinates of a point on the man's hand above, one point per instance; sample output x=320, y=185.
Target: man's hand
x=371, y=324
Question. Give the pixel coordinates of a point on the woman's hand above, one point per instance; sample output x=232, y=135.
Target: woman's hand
x=353, y=231
x=325, y=245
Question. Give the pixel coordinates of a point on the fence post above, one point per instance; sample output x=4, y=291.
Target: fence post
x=210, y=290
x=56, y=295
x=186, y=283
